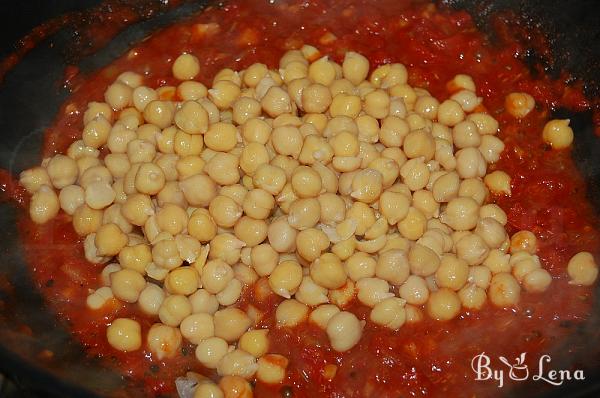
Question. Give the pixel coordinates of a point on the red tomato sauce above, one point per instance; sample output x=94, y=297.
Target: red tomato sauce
x=426, y=359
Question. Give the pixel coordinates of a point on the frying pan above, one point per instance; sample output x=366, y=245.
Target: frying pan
x=30, y=97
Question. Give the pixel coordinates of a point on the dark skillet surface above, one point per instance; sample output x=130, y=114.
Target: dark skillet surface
x=30, y=97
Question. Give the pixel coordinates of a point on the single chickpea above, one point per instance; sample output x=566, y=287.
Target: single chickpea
x=372, y=291
x=316, y=98
x=498, y=182
x=151, y=298
x=224, y=93
x=310, y=293
x=165, y=254
x=367, y=185
x=264, y=259
x=208, y=389
x=558, y=134
x=523, y=240
x=209, y=352
x=333, y=208
x=159, y=113
x=127, y=285
x=258, y=204
x=255, y=342
x=355, y=67
x=582, y=269
x=344, y=331
x=149, y=179
x=110, y=240
x=32, y=179
x=276, y=102
x=237, y=363
x=377, y=104
x=62, y=171
x=306, y=182
x=504, y=290
x=472, y=248
x=413, y=225
x=414, y=290
x=415, y=174
x=227, y=247
x=491, y=231
x=197, y=327
x=182, y=280
x=124, y=334
x=203, y=302
x=291, y=313
x=269, y=178
x=392, y=132
x=186, y=67
x=519, y=104
x=327, y=271
x=199, y=190
x=95, y=109
x=423, y=261
x=118, y=95
x=235, y=387
x=450, y=113
x=215, y=276
x=452, y=273
x=389, y=313
x=392, y=266
x=322, y=71
x=394, y=206
x=223, y=168
x=443, y=304
x=461, y=214
x=44, y=205
x=272, y=368
x=285, y=278
x=287, y=140
x=164, y=341
x=174, y=309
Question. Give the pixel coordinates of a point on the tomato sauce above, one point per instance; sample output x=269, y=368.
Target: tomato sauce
x=426, y=359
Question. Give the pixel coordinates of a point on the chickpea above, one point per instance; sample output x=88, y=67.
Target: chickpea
x=62, y=171
x=504, y=290
x=461, y=214
x=223, y=168
x=208, y=389
x=291, y=313
x=151, y=298
x=110, y=240
x=367, y=185
x=372, y=291
x=209, y=352
x=389, y=313
x=310, y=293
x=264, y=259
x=355, y=67
x=237, y=363
x=163, y=341
x=286, y=278
x=452, y=272
x=392, y=266
x=272, y=368
x=159, y=113
x=558, y=134
x=344, y=331
x=443, y=304
x=127, y=285
x=203, y=302
x=582, y=269
x=124, y=334
x=85, y=219
x=423, y=261
x=44, y=205
x=414, y=290
x=394, y=206
x=118, y=95
x=216, y=274
x=95, y=109
x=316, y=98
x=392, y=132
x=519, y=104
x=199, y=190
x=413, y=225
x=327, y=271
x=470, y=163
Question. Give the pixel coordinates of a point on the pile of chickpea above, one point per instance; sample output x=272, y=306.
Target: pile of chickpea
x=315, y=182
